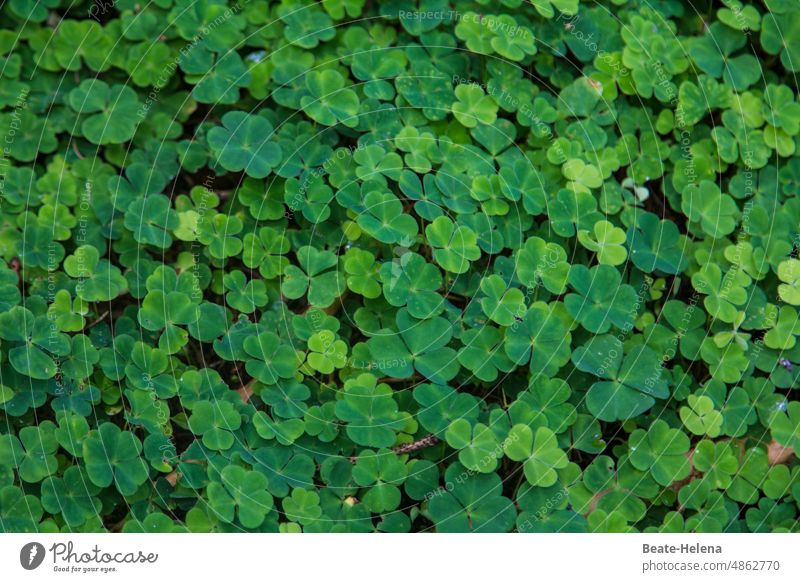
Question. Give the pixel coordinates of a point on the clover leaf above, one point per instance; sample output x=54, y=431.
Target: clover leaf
x=454, y=246
x=478, y=445
x=244, y=142
x=601, y=299
x=329, y=102
x=370, y=412
x=661, y=451
x=215, y=422
x=473, y=503
x=538, y=452
x=241, y=494
x=314, y=277
x=114, y=456
x=417, y=345
x=383, y=473
x=629, y=382
x=111, y=112
x=473, y=106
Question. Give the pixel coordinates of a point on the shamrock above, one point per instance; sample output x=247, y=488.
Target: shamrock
x=539, y=454
x=473, y=106
x=417, y=345
x=541, y=338
x=285, y=431
x=478, y=446
x=219, y=234
x=266, y=251
x=34, y=12
x=629, y=382
x=370, y=412
x=326, y=353
x=345, y=267
x=717, y=461
x=726, y=363
x=483, y=353
x=74, y=496
x=302, y=506
x=383, y=472
x=82, y=41
x=723, y=294
x=145, y=368
x=454, y=246
x=286, y=399
x=240, y=494
x=19, y=512
x=362, y=273
x=429, y=90
x=475, y=32
x=548, y=398
x=283, y=468
x=150, y=220
x=785, y=426
x=383, y=219
x=661, y=451
x=654, y=245
x=113, y=456
x=307, y=27
x=216, y=80
x=33, y=453
x=747, y=481
x=514, y=46
x=571, y=208
x=547, y=8
x=440, y=405
x=471, y=503
x=244, y=142
x=607, y=243
x=789, y=274
x=700, y=417
x=782, y=336
x=312, y=197
x=112, y=111
x=716, y=212
x=329, y=102
x=270, y=358
x=215, y=422
x=99, y=280
x=314, y=276
x=374, y=163
x=244, y=295
x=778, y=34
x=712, y=53
x=601, y=300
x=40, y=345
x=501, y=305
x=542, y=263
x=411, y=281
x=168, y=311
x=34, y=248
x=582, y=176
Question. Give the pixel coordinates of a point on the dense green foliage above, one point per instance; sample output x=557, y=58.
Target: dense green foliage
x=399, y=266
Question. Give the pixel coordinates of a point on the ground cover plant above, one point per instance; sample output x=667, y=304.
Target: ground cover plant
x=399, y=266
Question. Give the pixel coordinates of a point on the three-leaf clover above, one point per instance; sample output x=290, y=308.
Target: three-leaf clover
x=538, y=452
x=629, y=382
x=419, y=345
x=114, y=456
x=241, y=493
x=662, y=451
x=244, y=142
x=370, y=412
